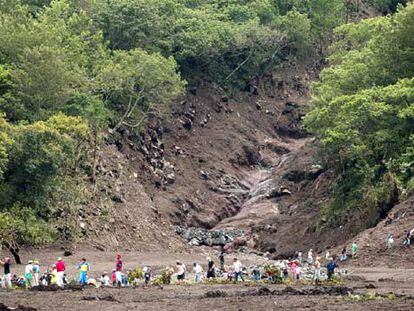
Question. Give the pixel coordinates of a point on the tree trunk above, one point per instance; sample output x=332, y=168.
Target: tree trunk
x=15, y=252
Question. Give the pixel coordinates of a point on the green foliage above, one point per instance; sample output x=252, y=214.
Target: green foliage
x=363, y=112
x=164, y=278
x=147, y=82
x=73, y=71
x=137, y=273
x=297, y=28
x=20, y=226
x=45, y=152
x=273, y=272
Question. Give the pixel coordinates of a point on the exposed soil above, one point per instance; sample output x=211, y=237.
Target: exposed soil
x=359, y=282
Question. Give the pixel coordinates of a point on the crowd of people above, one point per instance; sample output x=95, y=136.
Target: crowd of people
x=294, y=268
x=234, y=272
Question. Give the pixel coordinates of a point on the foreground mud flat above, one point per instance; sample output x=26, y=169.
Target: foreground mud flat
x=360, y=294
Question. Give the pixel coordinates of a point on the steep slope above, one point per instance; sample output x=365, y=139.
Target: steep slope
x=371, y=242
x=121, y=215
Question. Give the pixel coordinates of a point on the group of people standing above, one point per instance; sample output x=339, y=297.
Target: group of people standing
x=235, y=271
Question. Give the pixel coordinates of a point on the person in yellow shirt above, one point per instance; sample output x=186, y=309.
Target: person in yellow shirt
x=83, y=268
x=53, y=274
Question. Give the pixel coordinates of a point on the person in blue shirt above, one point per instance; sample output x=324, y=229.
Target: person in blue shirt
x=83, y=268
x=331, y=267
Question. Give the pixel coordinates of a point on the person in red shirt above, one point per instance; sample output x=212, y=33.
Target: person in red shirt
x=118, y=268
x=60, y=269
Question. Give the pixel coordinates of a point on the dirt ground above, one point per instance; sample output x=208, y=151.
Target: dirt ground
x=359, y=281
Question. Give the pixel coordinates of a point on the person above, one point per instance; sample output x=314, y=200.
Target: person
x=36, y=273
x=147, y=275
x=327, y=256
x=105, y=280
x=53, y=275
x=237, y=270
x=389, y=241
x=354, y=249
x=113, y=277
x=300, y=258
x=411, y=235
x=310, y=257
x=118, y=270
x=83, y=268
x=317, y=270
x=198, y=271
x=221, y=257
x=60, y=269
x=294, y=269
x=407, y=240
x=256, y=276
x=331, y=267
x=180, y=272
x=28, y=274
x=6, y=272
x=210, y=269
x=343, y=255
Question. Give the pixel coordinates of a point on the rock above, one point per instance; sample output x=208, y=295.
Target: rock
x=67, y=253
x=201, y=236
x=188, y=124
x=170, y=178
x=194, y=242
x=215, y=294
x=193, y=90
x=278, y=192
x=117, y=198
x=224, y=99
x=258, y=106
x=19, y=308
x=204, y=175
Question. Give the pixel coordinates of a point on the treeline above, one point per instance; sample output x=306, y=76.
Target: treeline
x=363, y=112
x=70, y=70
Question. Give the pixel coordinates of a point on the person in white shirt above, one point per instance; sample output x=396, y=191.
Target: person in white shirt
x=237, y=270
x=105, y=280
x=198, y=271
x=310, y=257
x=180, y=272
x=28, y=274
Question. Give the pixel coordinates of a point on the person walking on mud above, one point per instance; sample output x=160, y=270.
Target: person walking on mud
x=310, y=257
x=118, y=271
x=28, y=274
x=211, y=274
x=60, y=272
x=6, y=273
x=180, y=272
x=83, y=268
x=389, y=241
x=354, y=249
x=331, y=266
x=343, y=255
x=237, y=270
x=300, y=258
x=317, y=270
x=221, y=257
x=198, y=272
x=36, y=273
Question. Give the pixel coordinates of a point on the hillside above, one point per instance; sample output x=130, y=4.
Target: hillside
x=258, y=118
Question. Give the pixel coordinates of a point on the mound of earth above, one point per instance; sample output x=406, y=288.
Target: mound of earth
x=372, y=248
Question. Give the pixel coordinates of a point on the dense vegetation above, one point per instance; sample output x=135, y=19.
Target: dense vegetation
x=73, y=70
x=363, y=111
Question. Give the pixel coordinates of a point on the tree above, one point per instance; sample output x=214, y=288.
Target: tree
x=363, y=112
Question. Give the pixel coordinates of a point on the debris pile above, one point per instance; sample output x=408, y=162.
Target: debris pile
x=200, y=236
